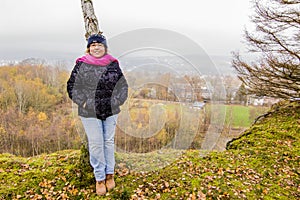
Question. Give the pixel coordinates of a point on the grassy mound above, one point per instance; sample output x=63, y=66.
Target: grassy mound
x=261, y=164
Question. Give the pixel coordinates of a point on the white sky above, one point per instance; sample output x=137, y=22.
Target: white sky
x=54, y=29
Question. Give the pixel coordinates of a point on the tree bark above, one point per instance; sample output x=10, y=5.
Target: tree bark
x=90, y=19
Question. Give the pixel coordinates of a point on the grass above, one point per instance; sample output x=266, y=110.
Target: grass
x=239, y=116
x=263, y=163
x=235, y=116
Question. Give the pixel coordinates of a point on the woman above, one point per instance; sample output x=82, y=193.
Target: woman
x=98, y=86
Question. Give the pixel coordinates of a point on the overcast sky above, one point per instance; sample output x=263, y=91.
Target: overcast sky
x=54, y=29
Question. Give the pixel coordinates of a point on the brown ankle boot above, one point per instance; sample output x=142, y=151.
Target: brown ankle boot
x=110, y=183
x=100, y=188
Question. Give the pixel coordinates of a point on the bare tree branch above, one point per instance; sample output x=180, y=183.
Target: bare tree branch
x=277, y=72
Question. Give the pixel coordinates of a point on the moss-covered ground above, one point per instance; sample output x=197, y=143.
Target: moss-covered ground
x=263, y=163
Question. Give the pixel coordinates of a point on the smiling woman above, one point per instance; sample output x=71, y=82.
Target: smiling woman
x=97, y=46
x=97, y=50
x=98, y=87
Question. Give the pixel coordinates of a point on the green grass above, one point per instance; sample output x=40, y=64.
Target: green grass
x=241, y=116
x=236, y=116
x=263, y=163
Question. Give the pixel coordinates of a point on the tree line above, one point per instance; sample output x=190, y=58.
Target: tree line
x=36, y=116
x=35, y=113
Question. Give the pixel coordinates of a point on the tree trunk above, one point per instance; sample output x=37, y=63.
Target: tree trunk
x=90, y=19
x=91, y=27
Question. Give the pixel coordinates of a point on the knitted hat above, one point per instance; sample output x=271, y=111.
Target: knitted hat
x=96, y=38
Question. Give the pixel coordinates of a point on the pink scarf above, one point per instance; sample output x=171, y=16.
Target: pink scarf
x=103, y=61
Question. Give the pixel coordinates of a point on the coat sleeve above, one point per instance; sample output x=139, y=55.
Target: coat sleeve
x=121, y=90
x=75, y=86
x=120, y=93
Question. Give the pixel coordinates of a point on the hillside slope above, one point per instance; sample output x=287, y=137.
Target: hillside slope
x=263, y=163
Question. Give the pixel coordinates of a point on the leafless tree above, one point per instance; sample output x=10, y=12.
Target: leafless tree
x=275, y=42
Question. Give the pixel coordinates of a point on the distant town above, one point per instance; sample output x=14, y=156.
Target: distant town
x=175, y=78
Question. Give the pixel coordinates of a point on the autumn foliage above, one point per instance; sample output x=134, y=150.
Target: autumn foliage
x=35, y=115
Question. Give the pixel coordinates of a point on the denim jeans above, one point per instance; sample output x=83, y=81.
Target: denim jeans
x=100, y=134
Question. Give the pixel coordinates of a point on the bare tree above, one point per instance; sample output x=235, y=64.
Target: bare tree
x=90, y=19
x=276, y=73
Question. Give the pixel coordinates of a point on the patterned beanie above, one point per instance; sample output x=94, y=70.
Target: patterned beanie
x=96, y=38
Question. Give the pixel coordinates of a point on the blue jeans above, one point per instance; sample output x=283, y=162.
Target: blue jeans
x=100, y=134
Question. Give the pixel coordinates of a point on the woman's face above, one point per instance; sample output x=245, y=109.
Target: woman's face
x=97, y=50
